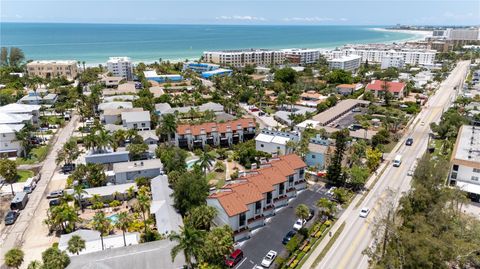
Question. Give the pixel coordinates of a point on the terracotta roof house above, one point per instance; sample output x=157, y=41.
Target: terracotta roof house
x=244, y=203
x=378, y=87
x=222, y=134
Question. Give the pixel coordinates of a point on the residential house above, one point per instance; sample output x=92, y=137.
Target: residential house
x=284, y=114
x=465, y=161
x=114, y=116
x=10, y=146
x=112, y=81
x=214, y=134
x=35, y=98
x=272, y=141
x=378, y=87
x=167, y=219
x=22, y=109
x=347, y=89
x=15, y=119
x=244, y=203
x=150, y=255
x=129, y=171
x=94, y=243
x=114, y=105
x=138, y=120
x=108, y=157
x=165, y=108
x=149, y=137
x=107, y=193
x=311, y=99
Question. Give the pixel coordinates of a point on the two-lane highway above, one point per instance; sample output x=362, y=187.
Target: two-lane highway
x=346, y=252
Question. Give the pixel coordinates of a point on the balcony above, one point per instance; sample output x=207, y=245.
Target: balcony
x=256, y=222
x=183, y=143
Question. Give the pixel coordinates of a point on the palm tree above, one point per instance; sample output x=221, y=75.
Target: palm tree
x=76, y=244
x=8, y=170
x=205, y=161
x=102, y=224
x=90, y=141
x=327, y=207
x=34, y=265
x=103, y=140
x=168, y=125
x=190, y=241
x=302, y=211
x=143, y=199
x=14, y=258
x=201, y=217
x=118, y=139
x=78, y=193
x=123, y=223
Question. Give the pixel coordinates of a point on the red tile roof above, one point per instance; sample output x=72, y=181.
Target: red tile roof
x=379, y=85
x=220, y=127
x=235, y=197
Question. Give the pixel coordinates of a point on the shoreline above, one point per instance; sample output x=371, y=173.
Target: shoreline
x=416, y=35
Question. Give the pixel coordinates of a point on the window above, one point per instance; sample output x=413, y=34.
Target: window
x=261, y=145
x=474, y=178
x=241, y=219
x=453, y=175
x=258, y=207
x=302, y=172
x=290, y=180
x=455, y=167
x=475, y=170
x=143, y=124
x=313, y=156
x=281, y=188
x=269, y=197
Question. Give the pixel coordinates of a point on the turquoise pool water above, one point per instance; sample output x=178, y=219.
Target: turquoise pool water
x=113, y=218
x=191, y=163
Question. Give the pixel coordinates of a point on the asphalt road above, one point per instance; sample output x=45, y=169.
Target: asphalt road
x=270, y=236
x=30, y=217
x=346, y=252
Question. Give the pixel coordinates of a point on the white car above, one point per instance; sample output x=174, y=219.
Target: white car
x=299, y=224
x=422, y=123
x=269, y=258
x=364, y=212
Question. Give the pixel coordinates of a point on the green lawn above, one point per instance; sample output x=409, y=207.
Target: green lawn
x=23, y=175
x=36, y=155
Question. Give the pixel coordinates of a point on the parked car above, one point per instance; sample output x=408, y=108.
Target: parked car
x=299, y=224
x=364, y=212
x=288, y=236
x=68, y=167
x=19, y=201
x=269, y=258
x=409, y=141
x=261, y=113
x=254, y=109
x=330, y=191
x=234, y=258
x=55, y=194
x=11, y=217
x=312, y=213
x=54, y=202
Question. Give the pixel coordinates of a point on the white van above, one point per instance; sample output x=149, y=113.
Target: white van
x=30, y=185
x=397, y=161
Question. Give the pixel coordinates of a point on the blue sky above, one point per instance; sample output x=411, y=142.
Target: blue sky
x=315, y=12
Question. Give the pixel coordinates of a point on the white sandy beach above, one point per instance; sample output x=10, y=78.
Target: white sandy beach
x=417, y=34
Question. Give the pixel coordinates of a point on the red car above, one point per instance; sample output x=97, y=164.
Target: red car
x=234, y=258
x=254, y=109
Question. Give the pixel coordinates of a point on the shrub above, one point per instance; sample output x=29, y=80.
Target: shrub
x=292, y=245
x=303, y=231
x=294, y=263
x=115, y=203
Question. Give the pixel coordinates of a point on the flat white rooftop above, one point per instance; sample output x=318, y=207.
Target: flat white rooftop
x=467, y=147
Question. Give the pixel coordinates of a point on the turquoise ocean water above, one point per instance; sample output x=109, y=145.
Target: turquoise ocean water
x=94, y=43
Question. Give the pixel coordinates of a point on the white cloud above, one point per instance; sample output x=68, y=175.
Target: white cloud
x=240, y=18
x=313, y=19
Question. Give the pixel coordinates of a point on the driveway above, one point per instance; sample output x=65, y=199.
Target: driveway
x=270, y=237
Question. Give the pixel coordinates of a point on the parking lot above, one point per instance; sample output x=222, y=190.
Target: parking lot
x=348, y=119
x=270, y=236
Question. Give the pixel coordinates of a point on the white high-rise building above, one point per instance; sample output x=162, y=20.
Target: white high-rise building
x=396, y=61
x=463, y=34
x=120, y=67
x=347, y=63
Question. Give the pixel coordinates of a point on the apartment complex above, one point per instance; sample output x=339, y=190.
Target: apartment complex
x=374, y=53
x=246, y=202
x=347, y=63
x=301, y=56
x=52, y=69
x=214, y=134
x=241, y=58
x=120, y=67
x=395, y=61
x=465, y=161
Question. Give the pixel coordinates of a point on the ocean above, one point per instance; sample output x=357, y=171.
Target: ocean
x=94, y=43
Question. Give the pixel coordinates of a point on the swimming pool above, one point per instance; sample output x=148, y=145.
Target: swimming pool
x=113, y=218
x=191, y=163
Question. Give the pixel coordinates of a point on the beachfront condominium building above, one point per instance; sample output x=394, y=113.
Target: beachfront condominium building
x=465, y=161
x=347, y=63
x=245, y=203
x=463, y=34
x=375, y=54
x=53, y=69
x=214, y=134
x=120, y=67
x=241, y=58
x=392, y=61
x=301, y=56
